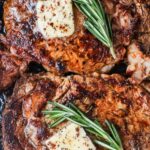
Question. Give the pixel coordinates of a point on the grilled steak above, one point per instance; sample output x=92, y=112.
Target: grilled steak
x=138, y=57
x=106, y=97
x=143, y=34
x=110, y=97
x=10, y=69
x=129, y=13
x=80, y=52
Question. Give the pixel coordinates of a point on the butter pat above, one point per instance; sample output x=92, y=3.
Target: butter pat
x=55, y=18
x=71, y=137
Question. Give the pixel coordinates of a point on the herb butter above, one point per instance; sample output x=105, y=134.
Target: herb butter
x=55, y=18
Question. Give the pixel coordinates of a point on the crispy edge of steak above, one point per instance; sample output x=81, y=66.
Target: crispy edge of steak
x=11, y=67
x=111, y=97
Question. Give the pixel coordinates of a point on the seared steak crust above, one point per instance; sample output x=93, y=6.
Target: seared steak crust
x=133, y=19
x=102, y=97
x=143, y=34
x=80, y=53
x=106, y=97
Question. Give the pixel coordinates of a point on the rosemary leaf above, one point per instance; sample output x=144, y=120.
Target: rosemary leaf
x=61, y=113
x=97, y=21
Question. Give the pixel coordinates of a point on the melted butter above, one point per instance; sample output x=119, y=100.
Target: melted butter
x=71, y=137
x=55, y=18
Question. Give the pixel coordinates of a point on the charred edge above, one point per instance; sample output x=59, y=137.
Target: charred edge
x=9, y=139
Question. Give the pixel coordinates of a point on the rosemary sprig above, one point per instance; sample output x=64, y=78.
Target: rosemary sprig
x=60, y=113
x=97, y=21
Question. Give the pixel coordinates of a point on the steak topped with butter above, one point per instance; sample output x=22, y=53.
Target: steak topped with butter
x=102, y=97
x=57, y=38
x=52, y=33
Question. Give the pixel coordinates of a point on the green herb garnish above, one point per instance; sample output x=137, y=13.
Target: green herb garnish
x=61, y=113
x=97, y=21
